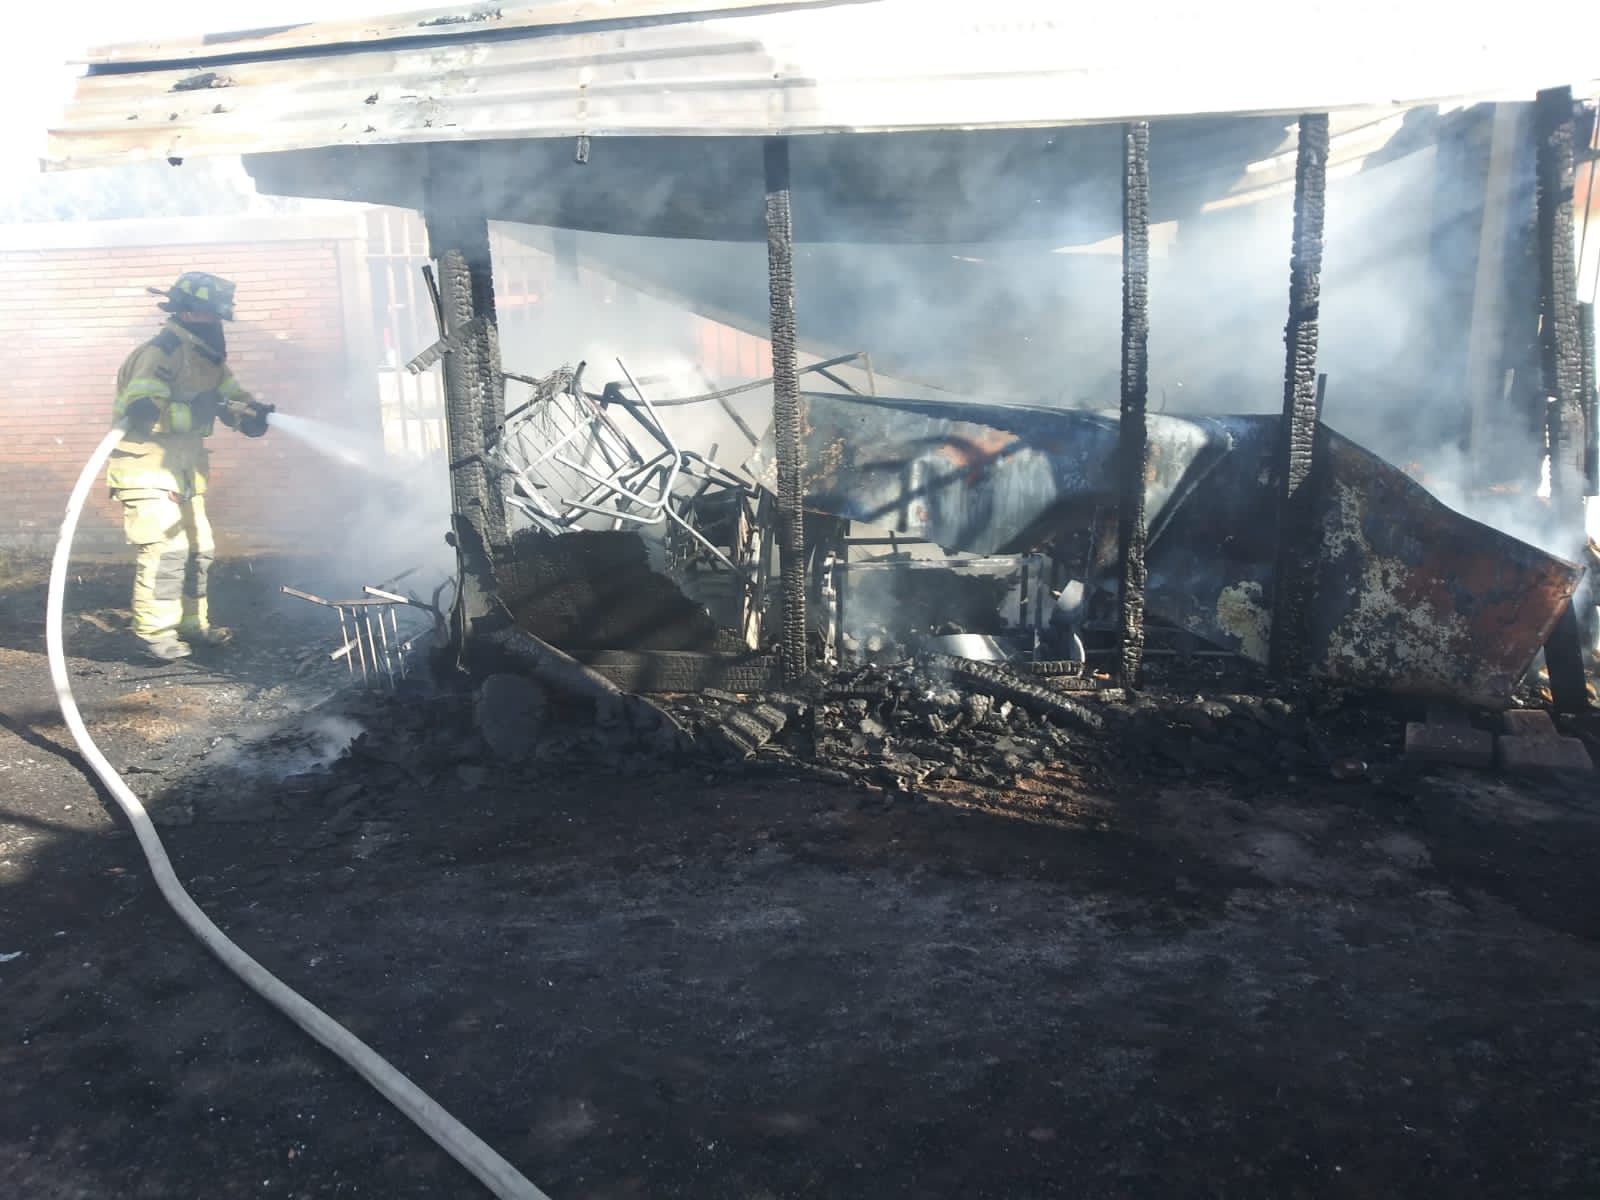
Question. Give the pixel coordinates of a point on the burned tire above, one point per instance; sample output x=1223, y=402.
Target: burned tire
x=683, y=671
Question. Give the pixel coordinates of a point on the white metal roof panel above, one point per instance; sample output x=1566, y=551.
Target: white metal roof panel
x=647, y=68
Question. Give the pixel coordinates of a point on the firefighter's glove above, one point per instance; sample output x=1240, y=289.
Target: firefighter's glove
x=206, y=407
x=141, y=418
x=253, y=424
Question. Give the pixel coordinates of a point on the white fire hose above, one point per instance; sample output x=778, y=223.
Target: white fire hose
x=499, y=1176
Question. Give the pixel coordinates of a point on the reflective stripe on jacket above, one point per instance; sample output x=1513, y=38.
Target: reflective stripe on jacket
x=170, y=370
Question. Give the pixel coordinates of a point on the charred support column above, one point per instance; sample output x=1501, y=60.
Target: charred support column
x=1132, y=443
x=1297, y=471
x=786, y=407
x=1558, y=286
x=1562, y=362
x=1590, y=402
x=458, y=238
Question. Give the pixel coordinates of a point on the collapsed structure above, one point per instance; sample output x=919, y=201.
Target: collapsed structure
x=1014, y=531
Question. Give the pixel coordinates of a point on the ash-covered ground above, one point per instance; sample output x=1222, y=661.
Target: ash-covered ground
x=924, y=941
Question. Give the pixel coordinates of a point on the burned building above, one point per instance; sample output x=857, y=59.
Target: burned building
x=946, y=233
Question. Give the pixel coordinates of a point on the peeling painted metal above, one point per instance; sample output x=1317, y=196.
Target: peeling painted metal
x=1409, y=590
x=1408, y=595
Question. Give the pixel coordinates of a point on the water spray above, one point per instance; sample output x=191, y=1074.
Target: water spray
x=345, y=446
x=494, y=1172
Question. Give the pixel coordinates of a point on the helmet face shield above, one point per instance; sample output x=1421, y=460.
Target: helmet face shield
x=201, y=291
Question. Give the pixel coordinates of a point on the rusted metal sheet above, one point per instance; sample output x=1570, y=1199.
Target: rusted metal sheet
x=1409, y=596
x=1412, y=593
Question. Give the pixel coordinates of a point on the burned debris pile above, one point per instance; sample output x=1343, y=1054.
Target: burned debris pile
x=926, y=729
x=959, y=576
x=934, y=725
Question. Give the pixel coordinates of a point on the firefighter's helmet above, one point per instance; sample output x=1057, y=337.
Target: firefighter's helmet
x=199, y=290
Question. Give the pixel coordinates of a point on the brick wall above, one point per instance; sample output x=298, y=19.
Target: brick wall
x=71, y=313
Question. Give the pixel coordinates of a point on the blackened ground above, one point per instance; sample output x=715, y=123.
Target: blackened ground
x=1131, y=972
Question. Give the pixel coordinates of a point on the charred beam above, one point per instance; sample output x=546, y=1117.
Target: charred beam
x=786, y=407
x=1005, y=684
x=1561, y=359
x=1295, y=565
x=458, y=239
x=1561, y=356
x=1590, y=401
x=1563, y=661
x=1132, y=440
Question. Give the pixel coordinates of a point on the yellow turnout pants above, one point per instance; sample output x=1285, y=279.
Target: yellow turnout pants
x=175, y=548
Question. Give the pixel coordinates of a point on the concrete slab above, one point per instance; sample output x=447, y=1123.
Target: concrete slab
x=1458, y=745
x=1525, y=754
x=1529, y=723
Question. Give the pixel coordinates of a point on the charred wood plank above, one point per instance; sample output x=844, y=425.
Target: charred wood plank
x=1043, y=702
x=1297, y=468
x=445, y=345
x=744, y=730
x=1132, y=440
x=786, y=407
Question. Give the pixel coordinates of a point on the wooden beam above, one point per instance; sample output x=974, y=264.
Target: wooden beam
x=1132, y=439
x=1298, y=476
x=786, y=408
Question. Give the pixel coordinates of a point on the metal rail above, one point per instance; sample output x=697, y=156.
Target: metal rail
x=370, y=637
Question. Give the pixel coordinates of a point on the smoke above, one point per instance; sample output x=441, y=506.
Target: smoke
x=989, y=264
x=1023, y=319
x=277, y=751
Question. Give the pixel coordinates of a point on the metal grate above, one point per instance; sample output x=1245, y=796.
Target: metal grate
x=412, y=404
x=372, y=639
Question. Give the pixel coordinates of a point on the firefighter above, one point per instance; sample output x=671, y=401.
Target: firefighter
x=170, y=393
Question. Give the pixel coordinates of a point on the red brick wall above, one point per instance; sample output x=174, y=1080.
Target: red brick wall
x=70, y=316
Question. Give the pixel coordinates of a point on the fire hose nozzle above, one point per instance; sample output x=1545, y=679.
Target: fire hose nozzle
x=251, y=408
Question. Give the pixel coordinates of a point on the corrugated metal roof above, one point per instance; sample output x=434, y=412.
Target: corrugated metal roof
x=455, y=23
x=729, y=67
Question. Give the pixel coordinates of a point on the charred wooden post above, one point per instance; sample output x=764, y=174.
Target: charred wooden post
x=1132, y=440
x=1558, y=286
x=1298, y=536
x=1590, y=401
x=458, y=239
x=1562, y=364
x=786, y=408
x=1563, y=662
